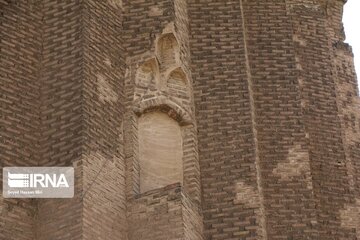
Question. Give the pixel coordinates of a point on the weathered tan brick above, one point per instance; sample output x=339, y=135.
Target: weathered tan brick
x=263, y=95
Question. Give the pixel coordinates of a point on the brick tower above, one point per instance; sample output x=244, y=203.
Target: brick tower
x=183, y=119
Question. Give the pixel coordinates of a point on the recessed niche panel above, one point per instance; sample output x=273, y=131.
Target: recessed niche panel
x=177, y=83
x=160, y=151
x=146, y=74
x=168, y=50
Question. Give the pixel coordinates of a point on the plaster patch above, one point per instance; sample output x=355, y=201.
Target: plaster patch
x=107, y=62
x=155, y=11
x=298, y=39
x=116, y=3
x=249, y=196
x=106, y=93
x=350, y=215
x=246, y=194
x=309, y=7
x=297, y=163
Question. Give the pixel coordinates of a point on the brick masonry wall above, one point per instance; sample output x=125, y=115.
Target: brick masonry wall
x=328, y=163
x=158, y=51
x=57, y=105
x=348, y=110
x=19, y=107
x=348, y=104
x=283, y=150
x=104, y=209
x=230, y=195
x=192, y=218
x=141, y=31
x=156, y=215
x=61, y=81
x=269, y=108
x=165, y=213
x=192, y=182
x=163, y=20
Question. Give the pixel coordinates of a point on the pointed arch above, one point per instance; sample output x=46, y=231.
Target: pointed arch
x=177, y=76
x=177, y=83
x=147, y=73
x=163, y=104
x=168, y=50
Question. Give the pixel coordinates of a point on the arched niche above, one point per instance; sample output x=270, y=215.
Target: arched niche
x=165, y=105
x=147, y=73
x=160, y=151
x=168, y=50
x=177, y=83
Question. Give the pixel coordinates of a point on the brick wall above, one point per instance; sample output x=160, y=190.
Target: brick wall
x=61, y=123
x=347, y=97
x=280, y=126
x=60, y=96
x=331, y=179
x=165, y=213
x=104, y=210
x=227, y=150
x=19, y=104
x=264, y=92
x=158, y=78
x=139, y=43
x=348, y=105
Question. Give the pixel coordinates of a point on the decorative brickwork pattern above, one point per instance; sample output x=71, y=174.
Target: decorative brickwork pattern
x=262, y=114
x=227, y=150
x=20, y=107
x=327, y=156
x=159, y=80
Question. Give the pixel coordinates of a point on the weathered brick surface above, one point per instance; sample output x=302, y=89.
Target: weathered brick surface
x=104, y=210
x=348, y=105
x=264, y=92
x=327, y=156
x=59, y=82
x=158, y=78
x=19, y=107
x=279, y=122
x=223, y=111
x=143, y=21
x=60, y=77
x=156, y=44
x=165, y=213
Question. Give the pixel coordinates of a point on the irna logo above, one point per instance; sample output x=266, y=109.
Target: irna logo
x=38, y=182
x=18, y=180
